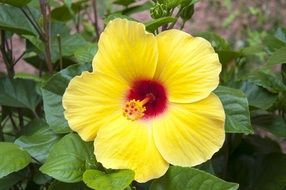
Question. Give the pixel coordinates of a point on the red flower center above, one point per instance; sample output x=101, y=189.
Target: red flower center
x=150, y=95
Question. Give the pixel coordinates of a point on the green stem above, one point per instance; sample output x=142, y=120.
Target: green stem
x=21, y=120
x=1, y=131
x=95, y=23
x=13, y=123
x=8, y=61
x=34, y=23
x=46, y=26
x=183, y=25
x=226, y=156
x=60, y=50
x=177, y=17
x=19, y=58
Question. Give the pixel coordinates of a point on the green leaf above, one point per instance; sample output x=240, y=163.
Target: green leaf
x=236, y=110
x=57, y=185
x=85, y=54
x=104, y=7
x=138, y=8
x=28, y=76
x=69, y=158
x=227, y=56
x=260, y=171
x=17, y=3
x=65, y=13
x=174, y=3
x=207, y=167
x=271, y=82
x=271, y=173
x=221, y=46
x=187, y=12
x=257, y=96
x=12, y=158
x=40, y=141
x=272, y=43
x=272, y=123
x=52, y=96
x=40, y=178
x=179, y=178
x=280, y=34
x=217, y=42
x=8, y=181
x=152, y=25
x=118, y=180
x=21, y=25
x=245, y=164
x=19, y=93
x=278, y=57
x=124, y=2
x=69, y=43
x=54, y=112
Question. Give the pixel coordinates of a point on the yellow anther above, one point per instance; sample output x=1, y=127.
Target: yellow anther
x=135, y=109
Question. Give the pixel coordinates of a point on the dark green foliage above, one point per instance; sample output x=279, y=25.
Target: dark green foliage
x=39, y=151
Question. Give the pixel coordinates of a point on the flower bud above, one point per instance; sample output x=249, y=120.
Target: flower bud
x=158, y=11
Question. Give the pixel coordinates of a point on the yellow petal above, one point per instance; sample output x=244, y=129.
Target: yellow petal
x=126, y=50
x=125, y=144
x=90, y=101
x=187, y=65
x=189, y=134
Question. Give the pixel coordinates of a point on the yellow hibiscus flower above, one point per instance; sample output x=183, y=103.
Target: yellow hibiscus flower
x=148, y=102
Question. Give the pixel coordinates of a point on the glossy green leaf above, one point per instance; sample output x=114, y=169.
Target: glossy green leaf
x=272, y=43
x=259, y=171
x=69, y=158
x=227, y=56
x=257, y=96
x=21, y=25
x=152, y=25
x=275, y=40
x=39, y=142
x=124, y=2
x=271, y=82
x=222, y=47
x=12, y=158
x=54, y=112
x=85, y=54
x=245, y=165
x=270, y=122
x=138, y=8
x=9, y=180
x=40, y=178
x=28, y=76
x=57, y=185
x=69, y=43
x=271, y=173
x=278, y=57
x=236, y=110
x=52, y=96
x=187, y=12
x=65, y=13
x=104, y=7
x=217, y=41
x=117, y=180
x=19, y=93
x=280, y=34
x=179, y=178
x=174, y=3
x=17, y=3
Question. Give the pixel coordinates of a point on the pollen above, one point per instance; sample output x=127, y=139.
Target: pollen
x=135, y=109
